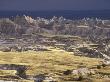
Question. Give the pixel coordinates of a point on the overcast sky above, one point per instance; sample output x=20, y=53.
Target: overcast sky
x=54, y=4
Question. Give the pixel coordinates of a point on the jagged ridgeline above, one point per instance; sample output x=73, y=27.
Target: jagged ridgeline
x=91, y=28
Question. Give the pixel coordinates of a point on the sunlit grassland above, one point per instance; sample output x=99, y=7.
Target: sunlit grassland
x=54, y=61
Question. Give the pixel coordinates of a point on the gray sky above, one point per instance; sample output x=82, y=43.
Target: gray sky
x=54, y=4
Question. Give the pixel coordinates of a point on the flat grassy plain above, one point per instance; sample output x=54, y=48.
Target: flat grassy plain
x=46, y=62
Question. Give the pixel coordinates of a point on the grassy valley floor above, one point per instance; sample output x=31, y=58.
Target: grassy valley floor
x=47, y=62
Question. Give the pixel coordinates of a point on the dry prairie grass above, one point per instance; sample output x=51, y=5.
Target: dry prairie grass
x=54, y=61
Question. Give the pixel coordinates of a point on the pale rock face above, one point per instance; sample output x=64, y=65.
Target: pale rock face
x=105, y=61
x=29, y=19
x=83, y=71
x=49, y=79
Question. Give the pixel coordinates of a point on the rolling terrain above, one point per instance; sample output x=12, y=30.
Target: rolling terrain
x=54, y=50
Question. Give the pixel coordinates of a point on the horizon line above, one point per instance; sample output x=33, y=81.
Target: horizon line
x=57, y=10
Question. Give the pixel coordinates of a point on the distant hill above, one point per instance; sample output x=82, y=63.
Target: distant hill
x=93, y=28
